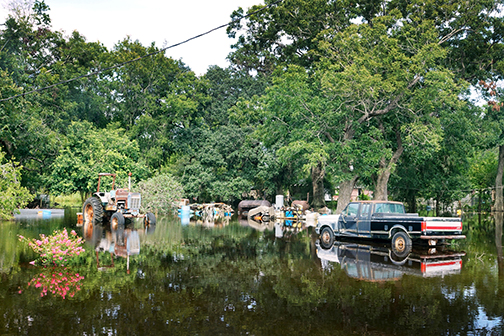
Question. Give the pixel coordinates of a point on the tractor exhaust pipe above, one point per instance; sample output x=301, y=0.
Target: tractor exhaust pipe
x=129, y=181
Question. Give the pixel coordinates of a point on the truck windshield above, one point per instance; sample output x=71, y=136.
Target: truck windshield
x=389, y=208
x=351, y=209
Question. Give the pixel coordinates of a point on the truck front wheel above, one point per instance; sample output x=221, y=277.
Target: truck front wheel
x=326, y=238
x=401, y=243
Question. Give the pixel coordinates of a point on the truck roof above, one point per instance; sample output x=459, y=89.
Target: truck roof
x=376, y=201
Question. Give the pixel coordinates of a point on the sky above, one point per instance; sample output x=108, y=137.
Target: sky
x=162, y=22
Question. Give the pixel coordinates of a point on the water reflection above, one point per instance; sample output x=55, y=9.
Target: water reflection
x=207, y=215
x=122, y=242
x=282, y=227
x=379, y=263
x=241, y=279
x=59, y=281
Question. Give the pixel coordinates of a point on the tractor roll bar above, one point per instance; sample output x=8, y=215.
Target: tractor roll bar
x=106, y=174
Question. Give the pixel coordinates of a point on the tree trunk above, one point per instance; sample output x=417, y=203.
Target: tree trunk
x=480, y=192
x=318, y=174
x=345, y=193
x=411, y=199
x=381, y=192
x=499, y=208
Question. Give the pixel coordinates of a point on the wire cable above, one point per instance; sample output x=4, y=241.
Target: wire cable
x=140, y=57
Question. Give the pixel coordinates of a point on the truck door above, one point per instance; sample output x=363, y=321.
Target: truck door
x=363, y=220
x=349, y=218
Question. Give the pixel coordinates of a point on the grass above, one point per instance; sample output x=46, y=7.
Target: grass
x=62, y=201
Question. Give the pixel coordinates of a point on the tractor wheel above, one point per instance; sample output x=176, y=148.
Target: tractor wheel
x=401, y=244
x=92, y=215
x=149, y=222
x=117, y=228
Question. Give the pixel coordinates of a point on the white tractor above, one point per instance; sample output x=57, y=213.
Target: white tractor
x=116, y=207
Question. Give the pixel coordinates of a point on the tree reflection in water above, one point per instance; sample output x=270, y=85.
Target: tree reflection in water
x=236, y=280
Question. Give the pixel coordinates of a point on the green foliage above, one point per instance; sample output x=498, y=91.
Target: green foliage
x=225, y=88
x=12, y=195
x=483, y=169
x=89, y=151
x=160, y=193
x=285, y=33
x=224, y=163
x=333, y=89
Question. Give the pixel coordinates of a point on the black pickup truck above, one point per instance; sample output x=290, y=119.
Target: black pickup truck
x=387, y=220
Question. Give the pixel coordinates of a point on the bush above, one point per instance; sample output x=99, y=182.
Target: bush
x=12, y=195
x=57, y=249
x=160, y=193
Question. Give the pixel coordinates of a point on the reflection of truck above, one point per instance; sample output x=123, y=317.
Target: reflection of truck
x=387, y=220
x=380, y=263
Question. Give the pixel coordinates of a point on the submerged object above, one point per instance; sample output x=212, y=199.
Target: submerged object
x=262, y=213
x=246, y=205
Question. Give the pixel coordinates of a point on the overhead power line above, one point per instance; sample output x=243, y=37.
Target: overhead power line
x=141, y=57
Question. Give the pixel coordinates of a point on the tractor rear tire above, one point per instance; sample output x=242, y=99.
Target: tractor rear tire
x=92, y=215
x=117, y=227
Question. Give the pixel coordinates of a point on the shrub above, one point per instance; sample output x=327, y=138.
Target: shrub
x=160, y=193
x=55, y=250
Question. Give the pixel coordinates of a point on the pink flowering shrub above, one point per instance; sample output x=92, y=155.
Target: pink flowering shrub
x=57, y=281
x=56, y=249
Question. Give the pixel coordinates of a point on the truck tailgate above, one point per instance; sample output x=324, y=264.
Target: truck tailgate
x=441, y=224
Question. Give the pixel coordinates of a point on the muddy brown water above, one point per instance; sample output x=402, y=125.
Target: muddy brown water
x=232, y=278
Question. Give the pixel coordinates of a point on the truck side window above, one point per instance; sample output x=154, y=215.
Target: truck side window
x=365, y=208
x=398, y=208
x=379, y=208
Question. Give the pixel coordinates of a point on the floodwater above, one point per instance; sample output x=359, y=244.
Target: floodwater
x=232, y=278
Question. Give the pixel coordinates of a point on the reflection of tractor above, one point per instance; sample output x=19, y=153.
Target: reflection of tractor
x=117, y=207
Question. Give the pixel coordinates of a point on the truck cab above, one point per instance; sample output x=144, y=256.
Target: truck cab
x=355, y=220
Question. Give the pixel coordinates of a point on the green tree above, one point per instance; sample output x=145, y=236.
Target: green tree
x=399, y=70
x=13, y=196
x=225, y=88
x=156, y=99
x=394, y=80
x=306, y=125
x=224, y=163
x=32, y=58
x=89, y=151
x=441, y=174
x=285, y=33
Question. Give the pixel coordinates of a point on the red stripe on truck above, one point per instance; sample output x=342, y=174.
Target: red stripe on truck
x=443, y=227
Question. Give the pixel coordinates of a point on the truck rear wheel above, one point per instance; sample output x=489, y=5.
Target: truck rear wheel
x=326, y=238
x=92, y=216
x=401, y=243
